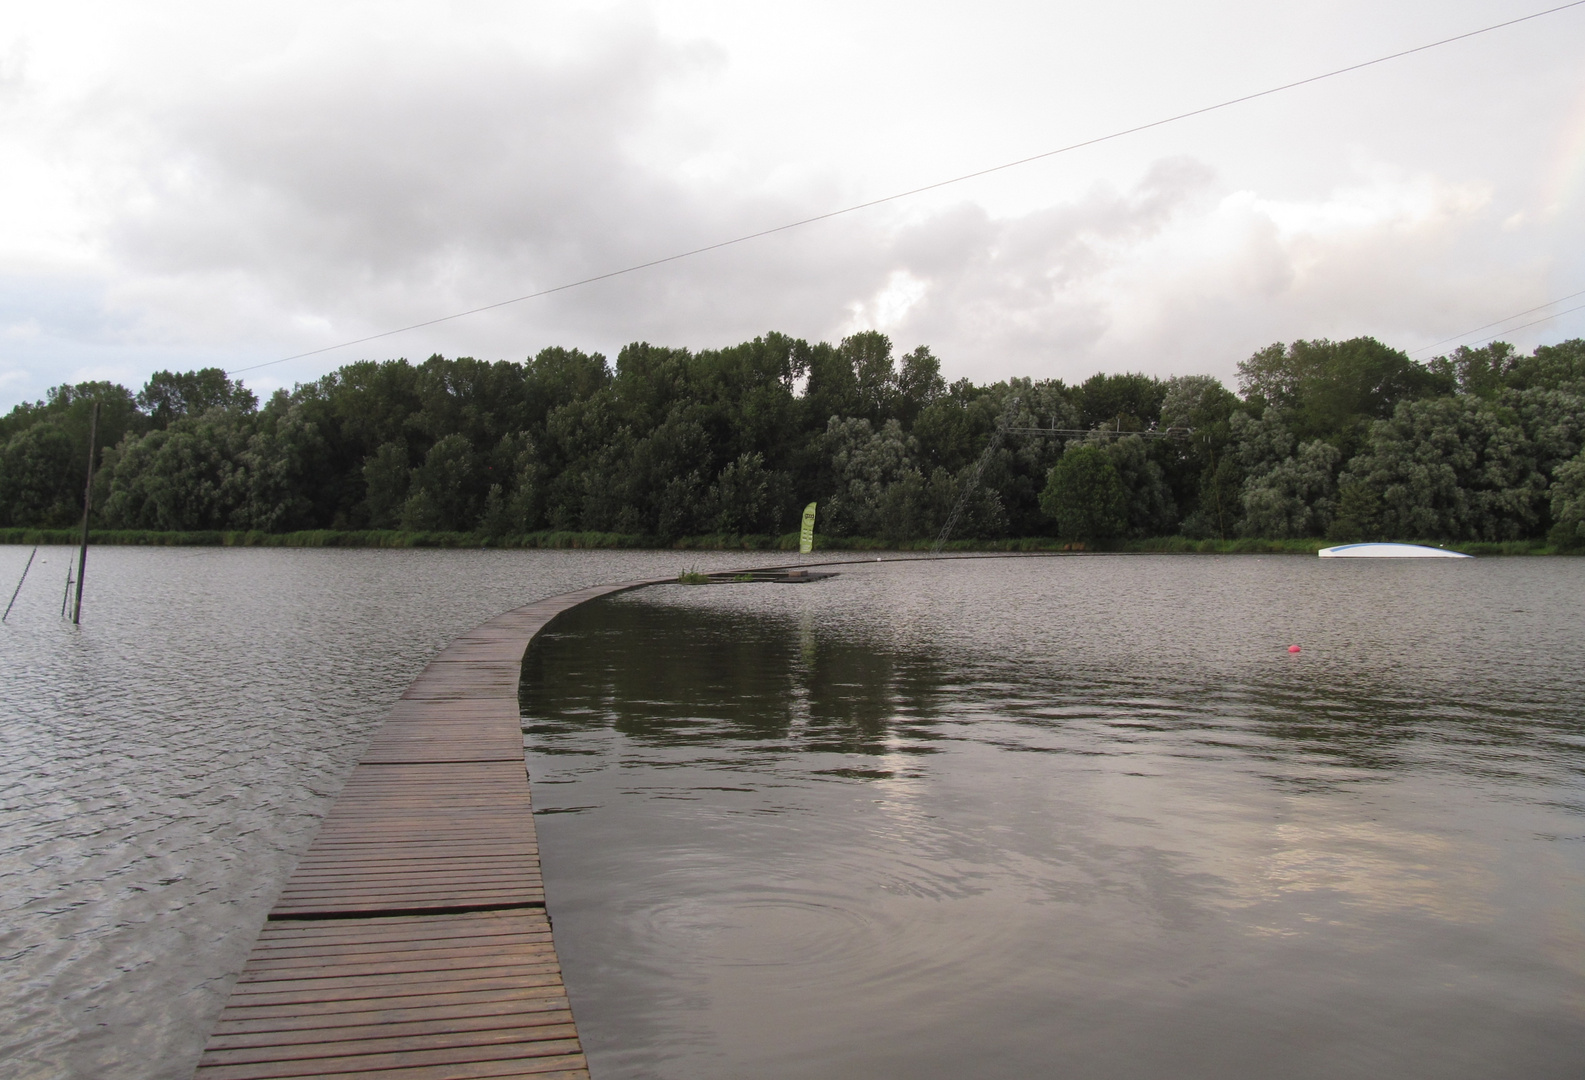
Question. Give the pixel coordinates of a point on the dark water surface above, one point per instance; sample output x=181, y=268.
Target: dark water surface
x=163, y=765
x=1077, y=817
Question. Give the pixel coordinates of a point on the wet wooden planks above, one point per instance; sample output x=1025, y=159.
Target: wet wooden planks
x=475, y=994
x=411, y=942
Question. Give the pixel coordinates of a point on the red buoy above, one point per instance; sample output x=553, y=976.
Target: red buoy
x=1293, y=648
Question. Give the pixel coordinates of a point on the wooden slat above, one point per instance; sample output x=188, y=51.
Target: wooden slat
x=411, y=941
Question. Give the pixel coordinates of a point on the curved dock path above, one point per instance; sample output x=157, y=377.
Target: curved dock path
x=411, y=942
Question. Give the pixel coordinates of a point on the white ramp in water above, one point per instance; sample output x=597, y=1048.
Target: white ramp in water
x=1389, y=551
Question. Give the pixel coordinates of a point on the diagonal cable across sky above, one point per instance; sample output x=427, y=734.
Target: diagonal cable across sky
x=933, y=186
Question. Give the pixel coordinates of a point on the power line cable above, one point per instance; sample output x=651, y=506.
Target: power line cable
x=1499, y=322
x=1533, y=322
x=856, y=207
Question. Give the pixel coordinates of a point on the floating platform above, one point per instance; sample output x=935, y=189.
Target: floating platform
x=1389, y=551
x=781, y=575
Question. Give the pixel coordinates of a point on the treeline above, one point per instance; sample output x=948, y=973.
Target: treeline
x=1344, y=440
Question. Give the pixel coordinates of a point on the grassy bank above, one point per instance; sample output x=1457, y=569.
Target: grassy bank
x=391, y=538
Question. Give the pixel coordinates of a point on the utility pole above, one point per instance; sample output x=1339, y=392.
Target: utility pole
x=88, y=505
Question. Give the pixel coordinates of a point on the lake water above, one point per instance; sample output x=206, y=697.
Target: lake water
x=1077, y=817
x=1002, y=817
x=163, y=765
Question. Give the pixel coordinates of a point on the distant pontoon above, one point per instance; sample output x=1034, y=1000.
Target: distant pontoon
x=1390, y=551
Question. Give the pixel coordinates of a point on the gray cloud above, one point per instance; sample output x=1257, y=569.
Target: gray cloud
x=345, y=183
x=384, y=175
x=348, y=197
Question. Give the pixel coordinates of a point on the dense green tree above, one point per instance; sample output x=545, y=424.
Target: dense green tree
x=284, y=459
x=191, y=475
x=37, y=467
x=1359, y=514
x=668, y=477
x=585, y=441
x=1283, y=489
x=869, y=355
x=168, y=396
x=1017, y=473
x=952, y=430
x=1150, y=507
x=1204, y=481
x=875, y=481
x=1121, y=402
x=1568, y=504
x=1350, y=438
x=860, y=378
x=447, y=490
x=478, y=400
x=1553, y=419
x=1550, y=367
x=1260, y=443
x=1085, y=497
x=386, y=474
x=1452, y=468
x=69, y=406
x=918, y=384
x=1293, y=497
x=520, y=504
x=47, y=486
x=556, y=377
x=830, y=387
x=1332, y=389
x=1195, y=401
x=740, y=498
x=369, y=404
x=1481, y=372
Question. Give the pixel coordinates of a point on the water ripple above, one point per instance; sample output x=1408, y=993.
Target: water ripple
x=162, y=767
x=1079, y=817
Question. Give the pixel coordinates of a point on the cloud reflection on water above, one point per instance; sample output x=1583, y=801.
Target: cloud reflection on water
x=1148, y=842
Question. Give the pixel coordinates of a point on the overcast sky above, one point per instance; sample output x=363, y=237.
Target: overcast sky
x=201, y=184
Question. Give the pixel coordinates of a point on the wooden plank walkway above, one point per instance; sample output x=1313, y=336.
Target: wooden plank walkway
x=412, y=942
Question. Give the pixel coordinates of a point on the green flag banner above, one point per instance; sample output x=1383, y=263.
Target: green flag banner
x=806, y=538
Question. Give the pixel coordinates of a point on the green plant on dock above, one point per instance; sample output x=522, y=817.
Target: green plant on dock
x=692, y=577
x=743, y=577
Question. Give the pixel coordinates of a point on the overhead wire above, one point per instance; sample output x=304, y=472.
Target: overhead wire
x=1499, y=322
x=1533, y=322
x=871, y=203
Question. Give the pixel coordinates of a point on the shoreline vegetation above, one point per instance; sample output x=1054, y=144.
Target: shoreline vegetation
x=1325, y=442
x=549, y=540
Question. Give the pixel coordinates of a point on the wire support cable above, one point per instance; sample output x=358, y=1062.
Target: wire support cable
x=1532, y=322
x=973, y=480
x=1511, y=329
x=1103, y=432
x=923, y=188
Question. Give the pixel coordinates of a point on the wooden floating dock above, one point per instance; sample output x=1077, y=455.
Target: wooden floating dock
x=784, y=575
x=412, y=942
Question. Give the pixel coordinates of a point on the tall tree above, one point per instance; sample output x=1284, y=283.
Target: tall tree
x=168, y=396
x=1452, y=468
x=1333, y=389
x=1085, y=497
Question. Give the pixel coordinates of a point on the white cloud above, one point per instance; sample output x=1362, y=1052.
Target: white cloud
x=205, y=186
x=1178, y=273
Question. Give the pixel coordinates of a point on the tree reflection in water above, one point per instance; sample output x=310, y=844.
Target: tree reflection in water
x=940, y=820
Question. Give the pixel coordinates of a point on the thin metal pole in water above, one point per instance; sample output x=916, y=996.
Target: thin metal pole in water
x=88, y=505
x=20, y=580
